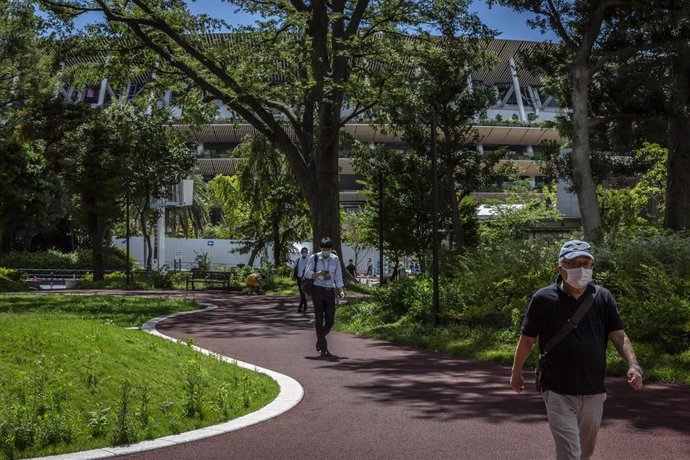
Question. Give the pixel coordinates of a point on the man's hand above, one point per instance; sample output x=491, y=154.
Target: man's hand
x=635, y=378
x=341, y=294
x=516, y=381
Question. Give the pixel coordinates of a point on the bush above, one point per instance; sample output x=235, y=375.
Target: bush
x=12, y=274
x=114, y=259
x=649, y=273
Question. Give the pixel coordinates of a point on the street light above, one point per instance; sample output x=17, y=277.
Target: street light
x=434, y=227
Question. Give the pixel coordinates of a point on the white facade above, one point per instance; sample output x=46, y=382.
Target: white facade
x=224, y=253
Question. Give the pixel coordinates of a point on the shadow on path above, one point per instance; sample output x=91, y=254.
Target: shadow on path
x=430, y=385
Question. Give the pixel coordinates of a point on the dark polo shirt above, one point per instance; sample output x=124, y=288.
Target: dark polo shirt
x=577, y=365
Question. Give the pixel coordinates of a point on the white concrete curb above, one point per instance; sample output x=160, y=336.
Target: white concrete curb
x=291, y=393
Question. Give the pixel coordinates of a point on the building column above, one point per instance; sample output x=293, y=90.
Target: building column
x=529, y=150
x=518, y=93
x=480, y=149
x=102, y=92
x=160, y=240
x=199, y=149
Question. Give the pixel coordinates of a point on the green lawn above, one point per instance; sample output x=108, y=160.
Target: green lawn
x=73, y=378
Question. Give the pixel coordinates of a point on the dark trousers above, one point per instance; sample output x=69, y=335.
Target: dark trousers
x=324, y=313
x=302, y=295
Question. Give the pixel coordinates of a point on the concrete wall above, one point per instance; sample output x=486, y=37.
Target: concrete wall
x=223, y=252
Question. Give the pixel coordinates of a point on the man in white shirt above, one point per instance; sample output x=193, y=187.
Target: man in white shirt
x=325, y=270
x=300, y=269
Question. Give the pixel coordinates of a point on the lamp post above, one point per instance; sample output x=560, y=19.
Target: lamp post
x=128, y=270
x=434, y=226
x=381, y=279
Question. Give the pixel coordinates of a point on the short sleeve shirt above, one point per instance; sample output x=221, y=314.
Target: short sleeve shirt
x=577, y=365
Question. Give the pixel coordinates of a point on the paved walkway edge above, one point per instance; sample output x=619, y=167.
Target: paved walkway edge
x=291, y=393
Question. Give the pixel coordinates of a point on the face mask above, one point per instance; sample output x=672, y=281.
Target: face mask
x=326, y=253
x=579, y=277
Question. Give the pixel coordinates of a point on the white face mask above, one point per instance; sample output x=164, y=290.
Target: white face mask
x=326, y=253
x=578, y=277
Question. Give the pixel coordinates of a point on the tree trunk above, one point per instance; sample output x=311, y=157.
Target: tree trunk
x=275, y=230
x=148, y=250
x=255, y=251
x=458, y=238
x=96, y=234
x=677, y=214
x=584, y=183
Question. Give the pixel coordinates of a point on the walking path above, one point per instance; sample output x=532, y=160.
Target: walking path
x=385, y=401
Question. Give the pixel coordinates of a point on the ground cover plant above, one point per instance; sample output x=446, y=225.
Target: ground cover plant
x=485, y=292
x=74, y=377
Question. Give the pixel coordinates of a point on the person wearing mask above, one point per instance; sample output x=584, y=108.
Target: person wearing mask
x=324, y=269
x=573, y=320
x=298, y=274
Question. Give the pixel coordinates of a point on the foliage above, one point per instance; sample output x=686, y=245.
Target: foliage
x=356, y=231
x=272, y=209
x=292, y=75
x=188, y=221
x=202, y=260
x=440, y=91
x=519, y=215
x=74, y=379
x=406, y=199
x=642, y=205
x=114, y=259
x=488, y=289
x=10, y=285
x=648, y=274
x=31, y=198
x=101, y=153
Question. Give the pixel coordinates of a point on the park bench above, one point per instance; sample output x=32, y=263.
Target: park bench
x=208, y=277
x=50, y=278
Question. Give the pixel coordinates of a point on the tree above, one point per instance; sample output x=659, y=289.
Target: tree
x=356, y=232
x=263, y=202
x=100, y=152
x=677, y=215
x=188, y=220
x=30, y=197
x=592, y=35
x=297, y=77
x=440, y=89
x=406, y=178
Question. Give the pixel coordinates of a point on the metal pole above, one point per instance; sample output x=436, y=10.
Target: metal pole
x=128, y=270
x=434, y=228
x=381, y=279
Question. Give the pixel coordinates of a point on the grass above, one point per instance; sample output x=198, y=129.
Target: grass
x=487, y=344
x=74, y=378
x=8, y=285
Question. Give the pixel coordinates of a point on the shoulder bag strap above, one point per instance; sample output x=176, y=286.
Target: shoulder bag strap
x=572, y=322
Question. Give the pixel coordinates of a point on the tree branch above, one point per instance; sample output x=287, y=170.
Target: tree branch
x=557, y=23
x=356, y=19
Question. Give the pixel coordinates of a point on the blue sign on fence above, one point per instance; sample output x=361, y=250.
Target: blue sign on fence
x=209, y=243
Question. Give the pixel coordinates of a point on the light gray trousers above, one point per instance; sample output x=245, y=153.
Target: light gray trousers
x=574, y=421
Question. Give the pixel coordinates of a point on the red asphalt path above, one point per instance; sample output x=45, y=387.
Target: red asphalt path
x=385, y=401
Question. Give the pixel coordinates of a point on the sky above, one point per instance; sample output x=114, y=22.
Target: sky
x=506, y=21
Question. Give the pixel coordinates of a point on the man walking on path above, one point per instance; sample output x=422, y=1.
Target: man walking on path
x=324, y=269
x=574, y=365
x=300, y=269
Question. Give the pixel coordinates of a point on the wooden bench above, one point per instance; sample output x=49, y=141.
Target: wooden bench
x=208, y=277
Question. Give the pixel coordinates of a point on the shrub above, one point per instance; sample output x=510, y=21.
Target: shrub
x=648, y=274
x=114, y=259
